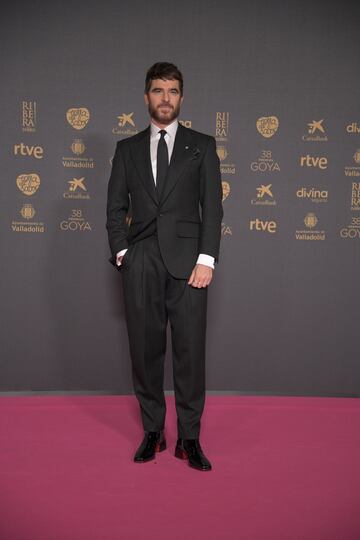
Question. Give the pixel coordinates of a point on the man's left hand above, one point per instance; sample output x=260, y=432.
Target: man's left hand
x=201, y=276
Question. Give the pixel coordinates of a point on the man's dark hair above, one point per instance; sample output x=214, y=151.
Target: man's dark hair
x=165, y=71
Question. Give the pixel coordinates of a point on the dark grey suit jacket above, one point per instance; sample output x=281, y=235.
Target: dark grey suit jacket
x=189, y=213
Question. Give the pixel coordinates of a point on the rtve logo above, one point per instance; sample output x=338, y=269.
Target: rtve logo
x=311, y=161
x=25, y=150
x=265, y=226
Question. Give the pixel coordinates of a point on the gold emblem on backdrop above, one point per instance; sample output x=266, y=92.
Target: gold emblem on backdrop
x=225, y=189
x=28, y=183
x=313, y=234
x=353, y=170
x=221, y=152
x=27, y=211
x=267, y=126
x=357, y=156
x=310, y=220
x=78, y=118
x=78, y=147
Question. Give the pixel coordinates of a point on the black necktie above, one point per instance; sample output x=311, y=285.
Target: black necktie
x=162, y=163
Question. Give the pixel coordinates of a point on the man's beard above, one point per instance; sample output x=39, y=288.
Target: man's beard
x=164, y=117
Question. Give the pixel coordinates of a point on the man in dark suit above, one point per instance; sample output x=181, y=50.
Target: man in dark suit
x=170, y=176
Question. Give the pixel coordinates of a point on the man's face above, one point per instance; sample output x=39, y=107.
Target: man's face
x=164, y=101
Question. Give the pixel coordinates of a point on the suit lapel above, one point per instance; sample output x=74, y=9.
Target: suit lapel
x=179, y=159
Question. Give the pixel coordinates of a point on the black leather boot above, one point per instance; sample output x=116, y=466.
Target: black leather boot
x=191, y=450
x=154, y=441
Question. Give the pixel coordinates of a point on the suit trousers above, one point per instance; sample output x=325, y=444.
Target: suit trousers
x=152, y=297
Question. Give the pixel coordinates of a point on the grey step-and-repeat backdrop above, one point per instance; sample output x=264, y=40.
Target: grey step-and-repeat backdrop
x=277, y=84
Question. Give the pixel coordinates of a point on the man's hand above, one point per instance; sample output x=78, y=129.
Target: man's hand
x=201, y=276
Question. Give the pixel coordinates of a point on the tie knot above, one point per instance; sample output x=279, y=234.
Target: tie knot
x=162, y=133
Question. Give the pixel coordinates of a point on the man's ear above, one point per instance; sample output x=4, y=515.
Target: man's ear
x=146, y=99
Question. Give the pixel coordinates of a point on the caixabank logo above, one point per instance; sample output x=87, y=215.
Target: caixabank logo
x=76, y=189
x=125, y=125
x=264, y=196
x=315, y=132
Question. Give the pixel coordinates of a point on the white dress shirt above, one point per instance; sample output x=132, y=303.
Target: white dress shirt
x=169, y=137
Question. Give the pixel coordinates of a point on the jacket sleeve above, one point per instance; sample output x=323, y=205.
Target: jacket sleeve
x=211, y=201
x=117, y=204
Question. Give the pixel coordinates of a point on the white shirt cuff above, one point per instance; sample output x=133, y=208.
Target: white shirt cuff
x=119, y=254
x=207, y=260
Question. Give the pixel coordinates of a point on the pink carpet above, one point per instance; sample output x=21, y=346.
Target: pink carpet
x=284, y=468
